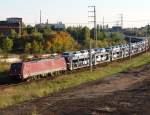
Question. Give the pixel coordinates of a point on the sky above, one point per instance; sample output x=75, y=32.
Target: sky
x=136, y=13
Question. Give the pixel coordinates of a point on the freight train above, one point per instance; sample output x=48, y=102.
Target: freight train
x=70, y=61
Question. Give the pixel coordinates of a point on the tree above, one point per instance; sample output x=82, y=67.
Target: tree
x=47, y=46
x=1, y=35
x=1, y=51
x=36, y=47
x=13, y=34
x=47, y=33
x=62, y=41
x=37, y=36
x=7, y=44
x=28, y=47
x=86, y=36
x=25, y=35
x=30, y=29
x=76, y=33
x=116, y=37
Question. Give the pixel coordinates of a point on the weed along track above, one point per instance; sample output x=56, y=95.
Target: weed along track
x=123, y=93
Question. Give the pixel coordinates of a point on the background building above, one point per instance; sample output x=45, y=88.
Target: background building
x=116, y=29
x=9, y=24
x=57, y=26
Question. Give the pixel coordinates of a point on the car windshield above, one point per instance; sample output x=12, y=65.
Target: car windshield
x=66, y=53
x=83, y=51
x=78, y=52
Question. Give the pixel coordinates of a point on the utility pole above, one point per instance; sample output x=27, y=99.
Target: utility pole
x=91, y=64
x=130, y=53
x=119, y=21
x=121, y=17
x=40, y=17
x=93, y=15
x=47, y=22
x=20, y=28
x=103, y=23
x=146, y=37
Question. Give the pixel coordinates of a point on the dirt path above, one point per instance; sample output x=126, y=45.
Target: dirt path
x=126, y=93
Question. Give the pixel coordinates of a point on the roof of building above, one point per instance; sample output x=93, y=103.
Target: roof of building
x=14, y=18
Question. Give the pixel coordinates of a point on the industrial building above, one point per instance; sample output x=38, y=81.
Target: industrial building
x=116, y=29
x=57, y=26
x=9, y=24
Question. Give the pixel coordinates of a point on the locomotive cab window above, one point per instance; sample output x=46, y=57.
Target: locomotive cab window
x=16, y=66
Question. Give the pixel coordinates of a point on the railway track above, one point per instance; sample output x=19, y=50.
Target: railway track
x=18, y=83
x=12, y=85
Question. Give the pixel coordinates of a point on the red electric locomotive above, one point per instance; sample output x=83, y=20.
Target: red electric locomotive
x=37, y=68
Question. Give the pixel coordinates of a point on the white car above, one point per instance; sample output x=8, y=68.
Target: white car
x=116, y=48
x=92, y=51
x=115, y=55
x=85, y=53
x=102, y=50
x=98, y=58
x=85, y=62
x=104, y=58
x=77, y=55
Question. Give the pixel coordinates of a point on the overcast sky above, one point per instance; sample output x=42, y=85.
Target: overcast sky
x=76, y=11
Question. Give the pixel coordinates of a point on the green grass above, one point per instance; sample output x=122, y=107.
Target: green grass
x=17, y=94
x=4, y=67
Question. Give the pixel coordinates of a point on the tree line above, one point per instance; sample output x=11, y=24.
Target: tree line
x=46, y=40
